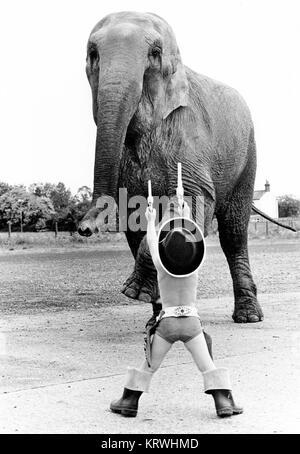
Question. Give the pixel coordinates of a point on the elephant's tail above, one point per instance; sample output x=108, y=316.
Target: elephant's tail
x=261, y=213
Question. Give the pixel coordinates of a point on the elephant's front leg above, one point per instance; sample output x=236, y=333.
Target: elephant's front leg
x=142, y=283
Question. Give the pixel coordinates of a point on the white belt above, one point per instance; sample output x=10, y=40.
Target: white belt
x=180, y=311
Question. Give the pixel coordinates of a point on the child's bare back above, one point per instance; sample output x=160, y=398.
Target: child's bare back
x=176, y=291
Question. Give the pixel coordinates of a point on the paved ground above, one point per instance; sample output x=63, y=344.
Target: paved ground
x=62, y=364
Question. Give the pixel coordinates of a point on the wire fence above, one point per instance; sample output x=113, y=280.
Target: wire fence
x=259, y=226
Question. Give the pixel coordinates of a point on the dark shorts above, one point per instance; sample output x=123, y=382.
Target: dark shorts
x=184, y=329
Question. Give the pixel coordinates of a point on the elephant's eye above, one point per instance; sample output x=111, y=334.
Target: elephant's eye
x=93, y=55
x=154, y=56
x=155, y=52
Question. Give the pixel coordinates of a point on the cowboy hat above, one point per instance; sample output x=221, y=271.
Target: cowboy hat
x=181, y=246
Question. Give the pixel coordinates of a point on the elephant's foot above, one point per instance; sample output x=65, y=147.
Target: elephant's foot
x=247, y=310
x=140, y=288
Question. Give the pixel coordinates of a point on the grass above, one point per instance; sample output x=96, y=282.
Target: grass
x=30, y=240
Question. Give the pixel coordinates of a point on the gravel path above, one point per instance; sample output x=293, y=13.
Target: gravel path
x=84, y=278
x=67, y=336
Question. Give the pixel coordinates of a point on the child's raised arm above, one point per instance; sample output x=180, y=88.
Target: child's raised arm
x=152, y=235
x=186, y=212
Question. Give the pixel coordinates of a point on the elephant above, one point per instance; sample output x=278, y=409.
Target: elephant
x=151, y=112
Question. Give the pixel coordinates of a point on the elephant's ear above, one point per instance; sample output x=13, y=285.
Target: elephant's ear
x=176, y=91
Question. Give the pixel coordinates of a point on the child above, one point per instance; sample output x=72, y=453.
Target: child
x=177, y=253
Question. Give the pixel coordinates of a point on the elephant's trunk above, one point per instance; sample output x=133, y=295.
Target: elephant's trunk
x=117, y=105
x=118, y=97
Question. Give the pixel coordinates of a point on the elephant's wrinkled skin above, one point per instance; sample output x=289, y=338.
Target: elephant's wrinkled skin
x=151, y=112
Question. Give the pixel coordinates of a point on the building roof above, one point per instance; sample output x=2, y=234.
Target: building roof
x=258, y=194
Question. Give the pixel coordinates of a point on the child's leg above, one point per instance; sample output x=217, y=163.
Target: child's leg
x=216, y=381
x=159, y=349
x=199, y=351
x=138, y=380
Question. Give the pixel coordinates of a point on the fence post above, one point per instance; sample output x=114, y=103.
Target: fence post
x=9, y=228
x=267, y=228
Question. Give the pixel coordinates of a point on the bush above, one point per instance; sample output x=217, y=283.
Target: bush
x=288, y=206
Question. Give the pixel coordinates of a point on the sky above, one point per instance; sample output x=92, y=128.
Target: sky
x=47, y=129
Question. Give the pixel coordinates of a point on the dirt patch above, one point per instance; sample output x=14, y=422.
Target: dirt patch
x=60, y=279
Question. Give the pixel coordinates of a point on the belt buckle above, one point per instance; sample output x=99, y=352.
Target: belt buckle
x=181, y=311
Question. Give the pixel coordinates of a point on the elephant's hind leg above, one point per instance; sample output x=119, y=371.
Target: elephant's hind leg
x=233, y=234
x=234, y=245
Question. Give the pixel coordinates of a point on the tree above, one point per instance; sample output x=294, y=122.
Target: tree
x=83, y=201
x=11, y=204
x=62, y=200
x=61, y=196
x=41, y=189
x=42, y=205
x=18, y=203
x=84, y=194
x=4, y=187
x=288, y=206
x=39, y=211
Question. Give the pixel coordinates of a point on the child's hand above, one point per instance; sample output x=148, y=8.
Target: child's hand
x=186, y=212
x=150, y=214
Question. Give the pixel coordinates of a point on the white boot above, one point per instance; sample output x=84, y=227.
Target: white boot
x=216, y=379
x=137, y=379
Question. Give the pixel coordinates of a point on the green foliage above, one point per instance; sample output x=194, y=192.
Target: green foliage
x=11, y=203
x=4, y=187
x=18, y=203
x=42, y=205
x=59, y=195
x=84, y=194
x=288, y=206
x=83, y=201
x=63, y=202
x=40, y=210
